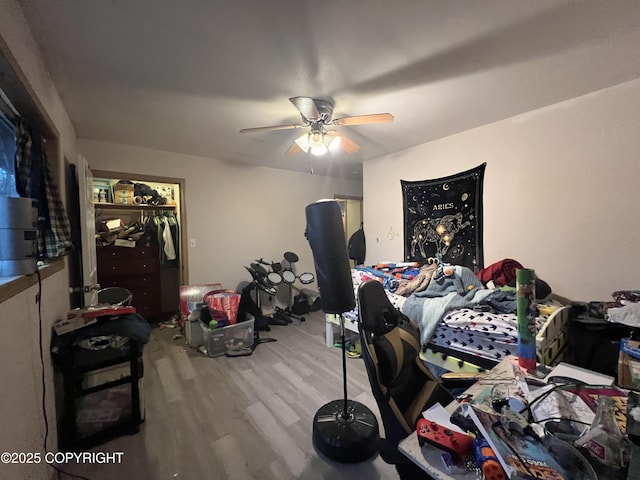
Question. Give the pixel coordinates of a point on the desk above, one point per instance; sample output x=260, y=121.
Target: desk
x=428, y=457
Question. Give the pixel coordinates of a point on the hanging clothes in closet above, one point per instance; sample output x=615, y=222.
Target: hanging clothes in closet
x=170, y=237
x=162, y=229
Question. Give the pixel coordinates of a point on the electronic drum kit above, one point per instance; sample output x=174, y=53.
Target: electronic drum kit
x=268, y=281
x=278, y=274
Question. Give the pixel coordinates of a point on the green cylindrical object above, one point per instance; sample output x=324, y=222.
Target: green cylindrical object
x=527, y=312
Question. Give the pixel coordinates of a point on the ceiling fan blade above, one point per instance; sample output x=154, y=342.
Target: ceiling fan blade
x=272, y=127
x=364, y=119
x=347, y=144
x=306, y=106
x=295, y=148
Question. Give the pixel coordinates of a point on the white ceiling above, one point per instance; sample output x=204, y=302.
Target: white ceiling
x=187, y=76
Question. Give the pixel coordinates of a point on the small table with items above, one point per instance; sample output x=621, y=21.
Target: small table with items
x=98, y=352
x=503, y=378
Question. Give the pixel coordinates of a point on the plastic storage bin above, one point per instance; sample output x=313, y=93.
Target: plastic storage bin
x=217, y=341
x=193, y=331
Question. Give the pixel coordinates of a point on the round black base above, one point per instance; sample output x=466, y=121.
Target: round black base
x=349, y=439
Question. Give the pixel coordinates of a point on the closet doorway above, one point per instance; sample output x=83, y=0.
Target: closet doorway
x=351, y=208
x=170, y=274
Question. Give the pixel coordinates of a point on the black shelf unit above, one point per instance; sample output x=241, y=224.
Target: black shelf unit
x=74, y=364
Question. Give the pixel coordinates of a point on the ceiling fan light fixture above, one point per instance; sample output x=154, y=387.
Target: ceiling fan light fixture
x=317, y=113
x=333, y=141
x=316, y=137
x=317, y=143
x=303, y=142
x=319, y=149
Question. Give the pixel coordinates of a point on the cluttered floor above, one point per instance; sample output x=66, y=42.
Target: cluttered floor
x=239, y=417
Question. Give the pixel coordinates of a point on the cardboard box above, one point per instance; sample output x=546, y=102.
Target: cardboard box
x=192, y=295
x=80, y=318
x=114, y=225
x=123, y=197
x=111, y=373
x=628, y=372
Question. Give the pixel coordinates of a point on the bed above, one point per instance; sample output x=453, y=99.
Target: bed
x=465, y=341
x=466, y=337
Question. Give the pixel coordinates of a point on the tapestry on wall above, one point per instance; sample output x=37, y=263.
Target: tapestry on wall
x=443, y=219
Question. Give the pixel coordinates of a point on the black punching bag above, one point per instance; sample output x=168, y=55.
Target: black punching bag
x=333, y=271
x=343, y=430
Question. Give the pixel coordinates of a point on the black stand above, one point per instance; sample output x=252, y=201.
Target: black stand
x=256, y=331
x=345, y=430
x=75, y=364
x=291, y=258
x=248, y=350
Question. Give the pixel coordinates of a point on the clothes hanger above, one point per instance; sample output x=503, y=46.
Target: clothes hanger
x=171, y=218
x=156, y=218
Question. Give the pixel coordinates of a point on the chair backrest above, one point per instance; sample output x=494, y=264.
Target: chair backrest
x=401, y=384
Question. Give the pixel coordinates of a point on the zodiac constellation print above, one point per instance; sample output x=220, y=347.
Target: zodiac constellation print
x=443, y=216
x=456, y=251
x=439, y=231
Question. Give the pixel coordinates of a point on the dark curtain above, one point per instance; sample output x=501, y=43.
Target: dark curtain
x=443, y=219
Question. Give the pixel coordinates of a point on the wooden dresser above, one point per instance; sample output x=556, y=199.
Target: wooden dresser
x=136, y=269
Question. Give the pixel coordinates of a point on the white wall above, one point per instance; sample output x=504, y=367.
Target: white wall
x=21, y=417
x=235, y=213
x=560, y=191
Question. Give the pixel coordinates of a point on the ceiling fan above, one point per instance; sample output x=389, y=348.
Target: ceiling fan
x=317, y=114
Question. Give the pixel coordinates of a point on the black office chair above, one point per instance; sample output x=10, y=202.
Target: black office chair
x=401, y=384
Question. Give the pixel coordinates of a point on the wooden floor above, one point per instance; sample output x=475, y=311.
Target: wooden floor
x=239, y=418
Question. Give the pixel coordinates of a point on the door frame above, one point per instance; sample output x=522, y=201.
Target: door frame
x=182, y=211
x=339, y=197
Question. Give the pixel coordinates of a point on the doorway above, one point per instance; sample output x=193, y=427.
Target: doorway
x=163, y=285
x=352, y=212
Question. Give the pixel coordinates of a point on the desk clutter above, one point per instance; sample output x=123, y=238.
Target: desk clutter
x=561, y=423
x=629, y=364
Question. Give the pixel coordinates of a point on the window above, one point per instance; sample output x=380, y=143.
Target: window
x=13, y=126
x=7, y=158
x=25, y=172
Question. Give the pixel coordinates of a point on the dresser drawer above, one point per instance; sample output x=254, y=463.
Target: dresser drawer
x=104, y=254
x=137, y=270
x=147, y=301
x=149, y=312
x=146, y=296
x=130, y=282
x=131, y=266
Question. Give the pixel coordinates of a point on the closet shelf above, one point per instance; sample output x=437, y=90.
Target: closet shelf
x=119, y=206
